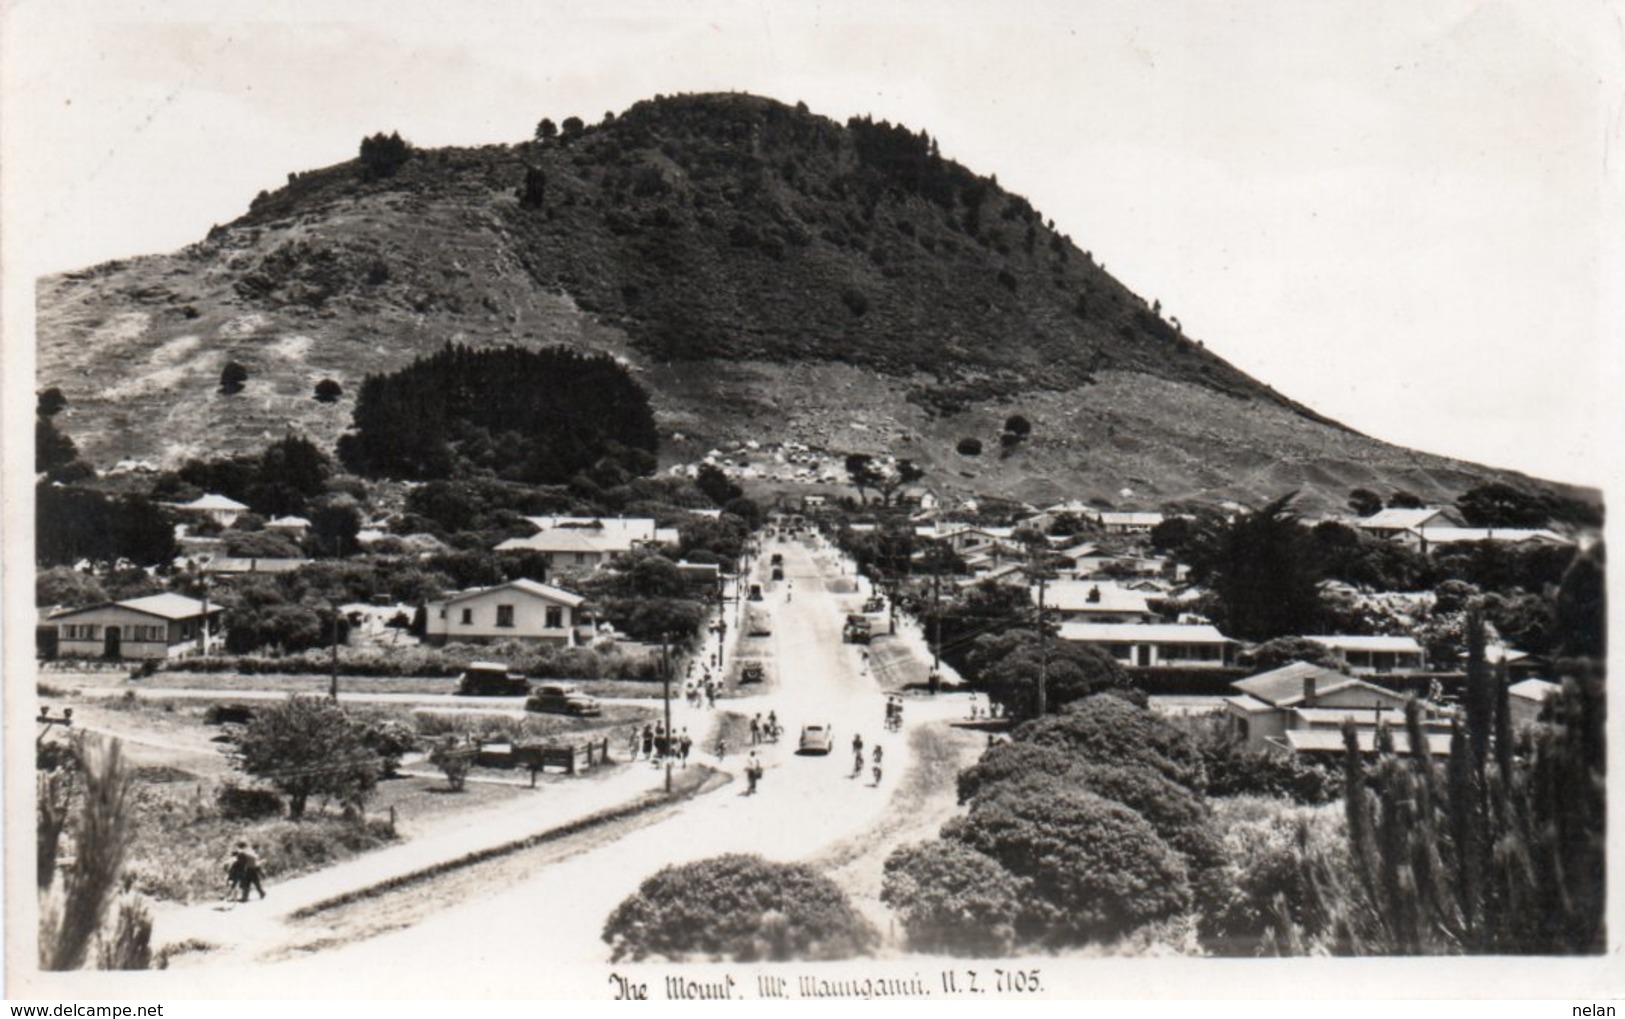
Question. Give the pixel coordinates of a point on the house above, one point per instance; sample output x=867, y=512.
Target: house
x=1301, y=696
x=158, y=626
x=589, y=542
x=1076, y=601
x=1391, y=523
x=565, y=550
x=1159, y=645
x=518, y=610
x=294, y=527
x=1375, y=655
x=1127, y=522
x=1433, y=538
x=219, y=508
x=1527, y=699
x=227, y=566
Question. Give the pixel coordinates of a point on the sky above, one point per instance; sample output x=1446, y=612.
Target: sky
x=1390, y=211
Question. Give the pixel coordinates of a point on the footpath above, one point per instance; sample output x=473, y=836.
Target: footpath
x=242, y=931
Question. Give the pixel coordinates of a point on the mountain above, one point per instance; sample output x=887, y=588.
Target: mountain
x=767, y=273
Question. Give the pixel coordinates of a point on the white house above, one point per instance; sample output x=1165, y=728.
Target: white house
x=573, y=542
x=1082, y=601
x=518, y=610
x=221, y=509
x=1160, y=645
x=1375, y=655
x=1390, y=523
x=155, y=627
x=1127, y=521
x=1526, y=699
x=565, y=550
x=1429, y=539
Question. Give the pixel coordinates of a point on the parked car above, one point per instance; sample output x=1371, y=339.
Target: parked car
x=857, y=630
x=759, y=622
x=874, y=604
x=563, y=699
x=778, y=573
x=816, y=739
x=755, y=593
x=492, y=679
x=751, y=672
x=778, y=559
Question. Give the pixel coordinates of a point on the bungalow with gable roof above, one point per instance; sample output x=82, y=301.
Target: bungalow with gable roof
x=158, y=626
x=1299, y=706
x=221, y=509
x=1431, y=539
x=1155, y=645
x=518, y=610
x=1527, y=699
x=1391, y=523
x=1127, y=521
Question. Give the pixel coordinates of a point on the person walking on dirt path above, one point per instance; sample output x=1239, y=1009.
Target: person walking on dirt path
x=857, y=755
x=244, y=872
x=877, y=764
x=648, y=741
x=753, y=773
x=684, y=744
x=756, y=729
x=632, y=746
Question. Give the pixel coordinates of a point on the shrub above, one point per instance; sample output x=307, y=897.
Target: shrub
x=454, y=757
x=741, y=908
x=950, y=898
x=969, y=447
x=232, y=377
x=328, y=391
x=1110, y=730
x=1018, y=426
x=71, y=916
x=129, y=944
x=382, y=156
x=1096, y=869
x=247, y=803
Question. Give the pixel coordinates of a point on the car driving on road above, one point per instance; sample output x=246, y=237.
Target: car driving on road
x=492, y=679
x=816, y=739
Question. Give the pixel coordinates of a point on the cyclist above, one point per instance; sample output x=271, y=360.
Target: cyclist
x=877, y=764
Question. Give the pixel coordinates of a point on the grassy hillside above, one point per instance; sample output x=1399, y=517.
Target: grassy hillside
x=768, y=273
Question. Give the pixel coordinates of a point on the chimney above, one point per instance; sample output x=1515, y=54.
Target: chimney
x=1309, y=691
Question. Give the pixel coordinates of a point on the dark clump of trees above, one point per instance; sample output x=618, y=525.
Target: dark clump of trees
x=283, y=479
x=741, y=908
x=536, y=416
x=74, y=523
x=383, y=155
x=232, y=378
x=328, y=391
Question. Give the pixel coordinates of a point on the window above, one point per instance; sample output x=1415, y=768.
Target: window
x=504, y=615
x=468, y=617
x=555, y=618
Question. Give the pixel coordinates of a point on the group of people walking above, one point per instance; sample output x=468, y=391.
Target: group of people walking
x=655, y=745
x=767, y=731
x=858, y=760
x=243, y=873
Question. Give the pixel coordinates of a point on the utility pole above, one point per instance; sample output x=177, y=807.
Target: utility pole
x=665, y=676
x=1043, y=658
x=333, y=685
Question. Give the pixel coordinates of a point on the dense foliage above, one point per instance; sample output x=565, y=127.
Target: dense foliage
x=541, y=416
x=307, y=746
x=741, y=908
x=951, y=898
x=73, y=523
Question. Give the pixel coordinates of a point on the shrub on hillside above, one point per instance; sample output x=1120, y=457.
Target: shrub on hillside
x=741, y=908
x=951, y=899
x=232, y=377
x=1096, y=869
x=247, y=802
x=328, y=391
x=969, y=447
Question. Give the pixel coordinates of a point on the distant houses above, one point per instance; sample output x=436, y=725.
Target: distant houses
x=589, y=542
x=1375, y=655
x=1155, y=645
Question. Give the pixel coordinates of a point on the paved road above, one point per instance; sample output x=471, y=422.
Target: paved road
x=544, y=936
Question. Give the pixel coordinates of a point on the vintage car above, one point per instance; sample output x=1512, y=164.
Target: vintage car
x=816, y=739
x=492, y=679
x=563, y=699
x=751, y=672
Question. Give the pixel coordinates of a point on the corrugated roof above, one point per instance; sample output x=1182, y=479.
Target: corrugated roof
x=531, y=587
x=1251, y=705
x=1283, y=687
x=560, y=541
x=1508, y=535
x=1359, y=642
x=1533, y=689
x=1406, y=519
x=212, y=501
x=164, y=606
x=1142, y=633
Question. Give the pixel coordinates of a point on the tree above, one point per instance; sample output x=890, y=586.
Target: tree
x=1498, y=504
x=546, y=130
x=896, y=477
x=1402, y=499
x=1364, y=502
x=715, y=485
x=52, y=449
x=1018, y=426
x=1107, y=729
x=1260, y=570
x=328, y=391
x=1272, y=654
x=1006, y=666
x=969, y=447
x=1581, y=606
x=260, y=545
x=1095, y=869
x=382, y=157
x=232, y=377
x=67, y=587
x=334, y=525
x=863, y=472
x=309, y=746
x=533, y=192
x=573, y=128
x=952, y=899
x=454, y=757
x=741, y=908
x=51, y=402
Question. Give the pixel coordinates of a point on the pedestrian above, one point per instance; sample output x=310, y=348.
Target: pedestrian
x=756, y=729
x=648, y=741
x=877, y=764
x=753, y=772
x=632, y=747
x=684, y=744
x=711, y=694
x=857, y=756
x=773, y=726
x=244, y=872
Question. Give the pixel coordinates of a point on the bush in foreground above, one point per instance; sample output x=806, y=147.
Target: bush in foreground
x=950, y=898
x=738, y=907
